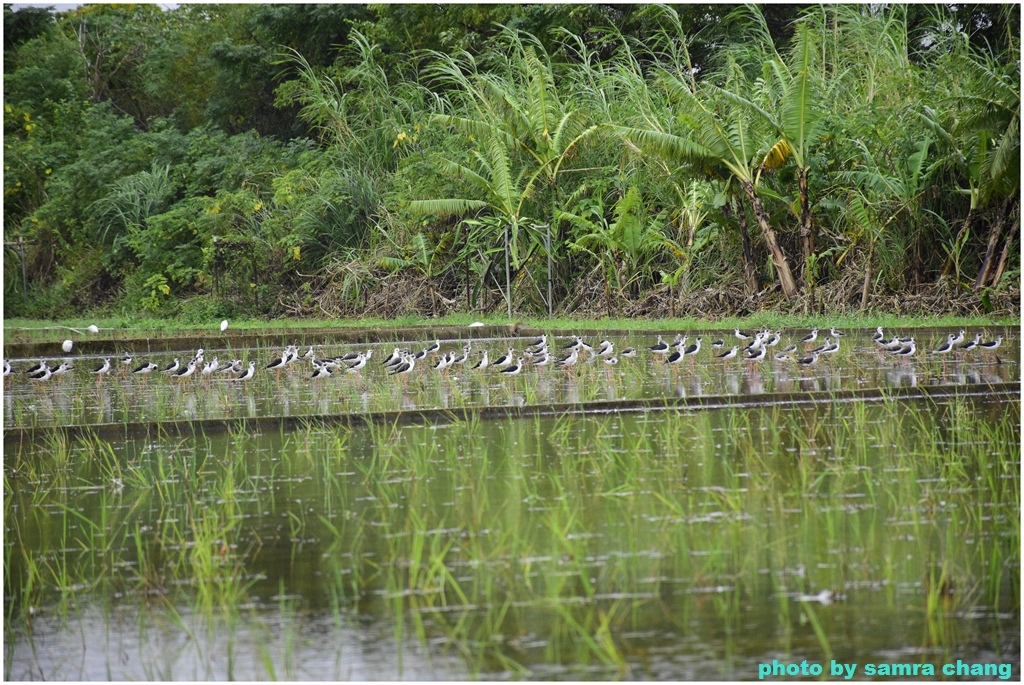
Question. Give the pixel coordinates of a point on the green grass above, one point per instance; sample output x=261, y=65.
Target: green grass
x=759, y=319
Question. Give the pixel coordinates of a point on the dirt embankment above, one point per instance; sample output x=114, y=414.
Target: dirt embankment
x=400, y=294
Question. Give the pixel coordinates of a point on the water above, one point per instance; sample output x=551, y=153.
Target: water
x=79, y=399
x=674, y=545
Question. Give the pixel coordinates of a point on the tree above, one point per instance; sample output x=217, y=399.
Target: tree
x=722, y=137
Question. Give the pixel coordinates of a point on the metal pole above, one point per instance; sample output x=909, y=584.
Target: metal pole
x=256, y=289
x=24, y=269
x=216, y=268
x=550, y=301
x=508, y=277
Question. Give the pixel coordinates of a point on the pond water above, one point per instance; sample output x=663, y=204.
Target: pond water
x=78, y=398
x=669, y=545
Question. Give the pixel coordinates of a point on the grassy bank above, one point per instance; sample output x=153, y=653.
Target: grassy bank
x=43, y=329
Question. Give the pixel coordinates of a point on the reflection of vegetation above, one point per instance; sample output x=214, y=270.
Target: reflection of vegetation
x=331, y=139
x=584, y=545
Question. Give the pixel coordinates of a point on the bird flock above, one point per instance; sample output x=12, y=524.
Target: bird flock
x=402, y=362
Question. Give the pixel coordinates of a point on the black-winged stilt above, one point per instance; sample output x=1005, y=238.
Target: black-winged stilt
x=731, y=354
x=991, y=345
x=513, y=369
x=99, y=371
x=970, y=345
x=506, y=360
x=145, y=368
x=946, y=347
x=808, y=360
x=247, y=375
x=186, y=372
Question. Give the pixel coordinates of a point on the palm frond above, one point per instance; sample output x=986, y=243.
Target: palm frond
x=445, y=207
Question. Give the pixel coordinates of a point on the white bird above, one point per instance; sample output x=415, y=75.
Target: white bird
x=223, y=325
x=94, y=328
x=7, y=367
x=482, y=364
x=172, y=366
x=66, y=346
x=211, y=367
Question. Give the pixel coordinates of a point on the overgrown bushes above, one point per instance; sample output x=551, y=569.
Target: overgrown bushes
x=650, y=160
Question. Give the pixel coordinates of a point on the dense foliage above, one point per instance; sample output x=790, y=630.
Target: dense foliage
x=349, y=159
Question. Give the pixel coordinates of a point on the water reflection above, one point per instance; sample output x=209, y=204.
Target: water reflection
x=695, y=543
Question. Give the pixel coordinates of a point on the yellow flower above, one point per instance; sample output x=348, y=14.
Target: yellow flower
x=49, y=171
x=166, y=289
x=257, y=207
x=296, y=253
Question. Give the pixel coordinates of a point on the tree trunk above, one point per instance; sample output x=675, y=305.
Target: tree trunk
x=778, y=256
x=747, y=256
x=1006, y=248
x=993, y=240
x=867, y=278
x=947, y=267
